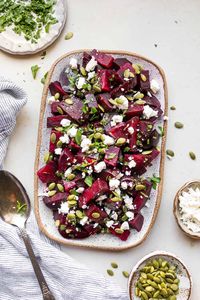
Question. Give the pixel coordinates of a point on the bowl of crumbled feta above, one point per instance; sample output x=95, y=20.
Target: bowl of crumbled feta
x=187, y=209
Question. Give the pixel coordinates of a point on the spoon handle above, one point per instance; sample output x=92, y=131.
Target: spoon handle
x=47, y=295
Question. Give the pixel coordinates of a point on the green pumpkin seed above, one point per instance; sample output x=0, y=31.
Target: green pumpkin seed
x=59, y=144
x=119, y=230
x=126, y=73
x=131, y=75
x=71, y=216
x=138, y=96
x=137, y=68
x=119, y=101
x=178, y=125
x=96, y=88
x=192, y=155
x=72, y=203
x=140, y=102
x=60, y=187
x=115, y=199
x=114, y=265
x=60, y=129
x=59, y=110
x=137, y=291
x=172, y=297
x=46, y=157
x=170, y=153
x=144, y=295
x=110, y=272
x=174, y=287
x=79, y=214
x=53, y=138
x=69, y=35
x=71, y=197
x=96, y=215
x=143, y=77
x=57, y=223
x=173, y=107
x=51, y=193
x=51, y=186
x=156, y=279
x=140, y=187
x=71, y=176
x=83, y=71
x=98, y=136
x=125, y=274
x=170, y=275
x=69, y=101
x=164, y=293
x=57, y=96
x=149, y=289
x=120, y=141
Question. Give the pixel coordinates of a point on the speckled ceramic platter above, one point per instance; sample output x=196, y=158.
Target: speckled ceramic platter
x=44, y=215
x=14, y=44
x=185, y=287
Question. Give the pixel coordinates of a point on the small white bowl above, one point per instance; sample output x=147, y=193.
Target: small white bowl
x=185, y=286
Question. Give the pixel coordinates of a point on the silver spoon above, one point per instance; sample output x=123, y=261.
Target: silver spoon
x=15, y=209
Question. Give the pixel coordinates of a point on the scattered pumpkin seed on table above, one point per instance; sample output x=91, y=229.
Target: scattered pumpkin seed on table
x=192, y=155
x=114, y=265
x=69, y=35
x=173, y=107
x=110, y=272
x=125, y=274
x=170, y=153
x=178, y=125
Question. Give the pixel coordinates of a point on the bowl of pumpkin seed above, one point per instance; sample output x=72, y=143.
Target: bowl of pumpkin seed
x=160, y=275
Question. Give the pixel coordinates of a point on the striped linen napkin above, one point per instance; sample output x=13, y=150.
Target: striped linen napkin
x=67, y=278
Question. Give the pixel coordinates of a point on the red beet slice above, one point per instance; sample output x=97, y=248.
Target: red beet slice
x=55, y=121
x=103, y=101
x=55, y=201
x=137, y=222
x=111, y=156
x=74, y=112
x=152, y=101
x=91, y=100
x=144, y=84
x=95, y=209
x=132, y=123
x=65, y=160
x=55, y=87
x=98, y=187
x=86, y=58
x=69, y=185
x=134, y=110
x=123, y=88
x=118, y=131
x=126, y=66
x=104, y=76
x=103, y=59
x=105, y=174
x=47, y=173
x=119, y=62
x=123, y=236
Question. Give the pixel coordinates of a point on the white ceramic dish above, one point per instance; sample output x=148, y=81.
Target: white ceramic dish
x=185, y=286
x=14, y=44
x=44, y=214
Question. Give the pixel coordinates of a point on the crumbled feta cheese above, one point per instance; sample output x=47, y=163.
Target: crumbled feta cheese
x=149, y=94
x=128, y=173
x=72, y=132
x=116, y=119
x=102, y=197
x=119, y=175
x=84, y=206
x=68, y=171
x=108, y=140
x=165, y=118
x=124, y=185
x=85, y=144
x=65, y=122
x=64, y=139
x=89, y=170
x=124, y=105
x=114, y=216
x=131, y=164
x=100, y=166
x=131, y=130
x=130, y=215
x=80, y=83
x=109, y=223
x=91, y=65
x=83, y=175
x=155, y=87
x=128, y=201
x=107, y=210
x=114, y=183
x=73, y=63
x=125, y=226
x=118, y=191
x=91, y=75
x=64, y=208
x=51, y=99
x=83, y=221
x=148, y=112
x=95, y=225
x=58, y=151
x=80, y=190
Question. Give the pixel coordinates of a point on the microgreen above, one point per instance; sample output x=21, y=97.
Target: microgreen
x=34, y=70
x=43, y=80
x=21, y=207
x=155, y=180
x=78, y=136
x=88, y=180
x=161, y=129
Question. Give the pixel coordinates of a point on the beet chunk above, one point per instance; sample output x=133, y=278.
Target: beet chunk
x=123, y=88
x=91, y=100
x=57, y=135
x=118, y=62
x=134, y=110
x=86, y=58
x=74, y=112
x=103, y=101
x=126, y=66
x=55, y=121
x=122, y=236
x=55, y=87
x=65, y=160
x=137, y=222
x=69, y=185
x=144, y=81
x=95, y=214
x=98, y=187
x=47, y=173
x=104, y=76
x=103, y=59
x=111, y=156
x=118, y=130
x=55, y=201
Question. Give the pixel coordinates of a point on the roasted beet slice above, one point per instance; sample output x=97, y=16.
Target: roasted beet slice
x=47, y=173
x=73, y=146
x=75, y=111
x=139, y=159
x=151, y=156
x=144, y=81
x=123, y=88
x=55, y=201
x=118, y=131
x=103, y=59
x=123, y=68
x=134, y=110
x=152, y=101
x=65, y=160
x=91, y=100
x=151, y=141
x=95, y=214
x=119, y=62
x=137, y=222
x=111, y=156
x=113, y=205
x=55, y=87
x=91, y=229
x=103, y=101
x=145, y=128
x=86, y=58
x=98, y=187
x=105, y=174
x=55, y=121
x=54, y=138
x=114, y=78
x=69, y=185
x=131, y=129
x=104, y=76
x=122, y=236
x=69, y=231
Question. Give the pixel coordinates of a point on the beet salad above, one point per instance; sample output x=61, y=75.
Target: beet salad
x=104, y=113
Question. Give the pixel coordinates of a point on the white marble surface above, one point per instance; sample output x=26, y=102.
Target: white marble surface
x=135, y=25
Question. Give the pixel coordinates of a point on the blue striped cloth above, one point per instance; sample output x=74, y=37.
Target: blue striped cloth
x=66, y=278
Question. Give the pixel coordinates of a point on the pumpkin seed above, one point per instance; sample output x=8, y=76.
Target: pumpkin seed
x=79, y=214
x=69, y=101
x=143, y=77
x=96, y=88
x=137, y=68
x=119, y=101
x=137, y=291
x=59, y=144
x=149, y=289
x=60, y=187
x=174, y=287
x=130, y=98
x=131, y=75
x=71, y=176
x=71, y=216
x=140, y=187
x=138, y=96
x=126, y=73
x=53, y=138
x=115, y=199
x=96, y=215
x=51, y=186
x=59, y=110
x=173, y=107
x=51, y=193
x=120, y=141
x=71, y=197
x=57, y=223
x=192, y=155
x=172, y=297
x=170, y=152
x=83, y=71
x=119, y=230
x=140, y=102
x=57, y=96
x=69, y=35
x=156, y=294
x=114, y=265
x=110, y=272
x=46, y=157
x=60, y=129
x=144, y=295
x=72, y=203
x=126, y=274
x=98, y=136
x=178, y=125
